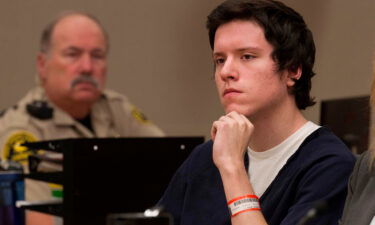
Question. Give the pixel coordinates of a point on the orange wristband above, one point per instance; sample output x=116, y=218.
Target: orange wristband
x=242, y=197
x=243, y=204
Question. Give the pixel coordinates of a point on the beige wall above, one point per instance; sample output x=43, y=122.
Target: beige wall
x=160, y=57
x=344, y=32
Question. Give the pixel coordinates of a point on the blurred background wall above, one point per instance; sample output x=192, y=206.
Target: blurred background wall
x=160, y=56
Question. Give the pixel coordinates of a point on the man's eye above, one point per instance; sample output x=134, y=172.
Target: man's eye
x=72, y=54
x=219, y=61
x=247, y=56
x=98, y=55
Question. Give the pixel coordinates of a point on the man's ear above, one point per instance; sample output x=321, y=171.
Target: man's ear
x=293, y=76
x=41, y=66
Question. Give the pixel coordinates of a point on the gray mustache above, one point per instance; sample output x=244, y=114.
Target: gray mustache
x=84, y=79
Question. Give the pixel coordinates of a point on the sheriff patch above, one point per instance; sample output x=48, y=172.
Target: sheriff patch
x=139, y=116
x=13, y=149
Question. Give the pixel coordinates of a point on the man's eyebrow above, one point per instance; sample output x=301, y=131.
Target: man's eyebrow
x=72, y=48
x=244, y=49
x=217, y=54
x=98, y=50
x=252, y=49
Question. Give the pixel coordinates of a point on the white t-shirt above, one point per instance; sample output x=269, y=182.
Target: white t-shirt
x=264, y=166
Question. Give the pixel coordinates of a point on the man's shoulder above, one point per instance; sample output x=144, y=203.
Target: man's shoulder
x=18, y=118
x=20, y=114
x=129, y=120
x=325, y=142
x=112, y=95
x=115, y=100
x=321, y=149
x=16, y=128
x=15, y=116
x=203, y=151
x=200, y=161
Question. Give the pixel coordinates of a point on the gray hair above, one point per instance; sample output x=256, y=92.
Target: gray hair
x=45, y=40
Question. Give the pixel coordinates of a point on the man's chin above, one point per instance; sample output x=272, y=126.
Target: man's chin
x=238, y=109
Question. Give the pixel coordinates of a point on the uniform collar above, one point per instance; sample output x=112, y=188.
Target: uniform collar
x=100, y=113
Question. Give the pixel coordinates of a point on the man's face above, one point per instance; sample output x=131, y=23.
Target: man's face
x=246, y=75
x=74, y=68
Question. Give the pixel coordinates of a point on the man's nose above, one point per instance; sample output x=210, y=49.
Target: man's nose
x=86, y=64
x=229, y=70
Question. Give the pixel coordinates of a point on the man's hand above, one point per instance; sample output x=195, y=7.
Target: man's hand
x=231, y=135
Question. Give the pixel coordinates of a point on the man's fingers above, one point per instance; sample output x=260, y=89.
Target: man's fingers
x=214, y=130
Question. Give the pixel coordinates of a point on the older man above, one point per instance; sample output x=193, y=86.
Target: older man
x=71, y=101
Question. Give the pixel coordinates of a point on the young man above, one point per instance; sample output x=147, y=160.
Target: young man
x=265, y=162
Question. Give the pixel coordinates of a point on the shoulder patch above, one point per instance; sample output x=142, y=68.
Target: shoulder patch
x=138, y=115
x=13, y=149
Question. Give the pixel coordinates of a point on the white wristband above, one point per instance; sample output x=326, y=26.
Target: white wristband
x=243, y=204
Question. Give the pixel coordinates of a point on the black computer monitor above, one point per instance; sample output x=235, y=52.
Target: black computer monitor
x=116, y=175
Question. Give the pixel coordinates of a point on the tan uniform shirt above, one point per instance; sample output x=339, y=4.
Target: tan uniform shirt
x=111, y=116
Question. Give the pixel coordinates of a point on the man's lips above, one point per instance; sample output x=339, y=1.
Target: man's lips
x=231, y=91
x=85, y=85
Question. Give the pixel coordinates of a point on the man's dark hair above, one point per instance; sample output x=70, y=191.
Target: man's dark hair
x=45, y=40
x=284, y=29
